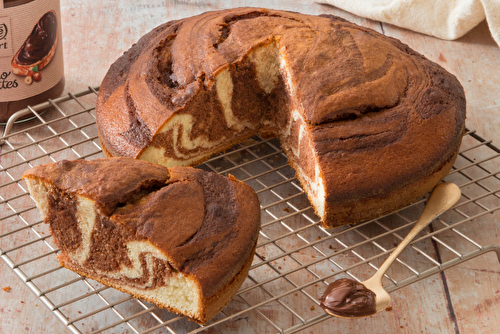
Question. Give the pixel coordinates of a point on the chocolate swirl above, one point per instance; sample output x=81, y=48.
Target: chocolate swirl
x=40, y=41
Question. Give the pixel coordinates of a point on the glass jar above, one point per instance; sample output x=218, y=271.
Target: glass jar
x=31, y=54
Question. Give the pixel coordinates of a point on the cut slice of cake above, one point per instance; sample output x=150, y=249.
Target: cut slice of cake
x=181, y=238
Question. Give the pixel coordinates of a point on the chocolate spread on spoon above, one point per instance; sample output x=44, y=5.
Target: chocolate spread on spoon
x=348, y=298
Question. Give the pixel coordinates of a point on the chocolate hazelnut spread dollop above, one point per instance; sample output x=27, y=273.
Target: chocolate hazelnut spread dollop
x=40, y=41
x=348, y=298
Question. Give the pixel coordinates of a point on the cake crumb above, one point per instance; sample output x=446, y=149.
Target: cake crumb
x=312, y=308
x=6, y=288
x=388, y=308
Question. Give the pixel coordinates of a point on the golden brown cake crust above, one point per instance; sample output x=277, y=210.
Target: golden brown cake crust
x=206, y=224
x=379, y=117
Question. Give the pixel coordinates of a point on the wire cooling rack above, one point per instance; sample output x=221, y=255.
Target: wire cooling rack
x=295, y=257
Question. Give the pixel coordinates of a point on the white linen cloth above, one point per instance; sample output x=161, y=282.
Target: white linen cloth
x=445, y=19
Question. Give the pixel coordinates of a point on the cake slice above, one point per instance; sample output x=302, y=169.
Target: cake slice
x=180, y=238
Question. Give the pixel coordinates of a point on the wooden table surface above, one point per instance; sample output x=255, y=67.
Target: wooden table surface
x=463, y=299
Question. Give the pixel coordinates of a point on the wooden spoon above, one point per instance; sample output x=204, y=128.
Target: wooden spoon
x=442, y=198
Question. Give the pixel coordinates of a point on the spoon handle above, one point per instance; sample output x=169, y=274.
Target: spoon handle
x=442, y=198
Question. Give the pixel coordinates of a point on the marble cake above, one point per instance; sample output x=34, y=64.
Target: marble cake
x=181, y=238
x=368, y=124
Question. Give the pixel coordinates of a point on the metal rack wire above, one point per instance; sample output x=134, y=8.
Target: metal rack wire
x=295, y=257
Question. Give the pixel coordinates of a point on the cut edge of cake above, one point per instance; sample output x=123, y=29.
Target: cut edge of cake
x=270, y=66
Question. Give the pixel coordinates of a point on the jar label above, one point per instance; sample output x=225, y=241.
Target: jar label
x=31, y=53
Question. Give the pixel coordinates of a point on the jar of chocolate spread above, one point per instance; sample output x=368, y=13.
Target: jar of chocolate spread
x=31, y=54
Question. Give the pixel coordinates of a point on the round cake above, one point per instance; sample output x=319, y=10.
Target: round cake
x=368, y=124
x=181, y=238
